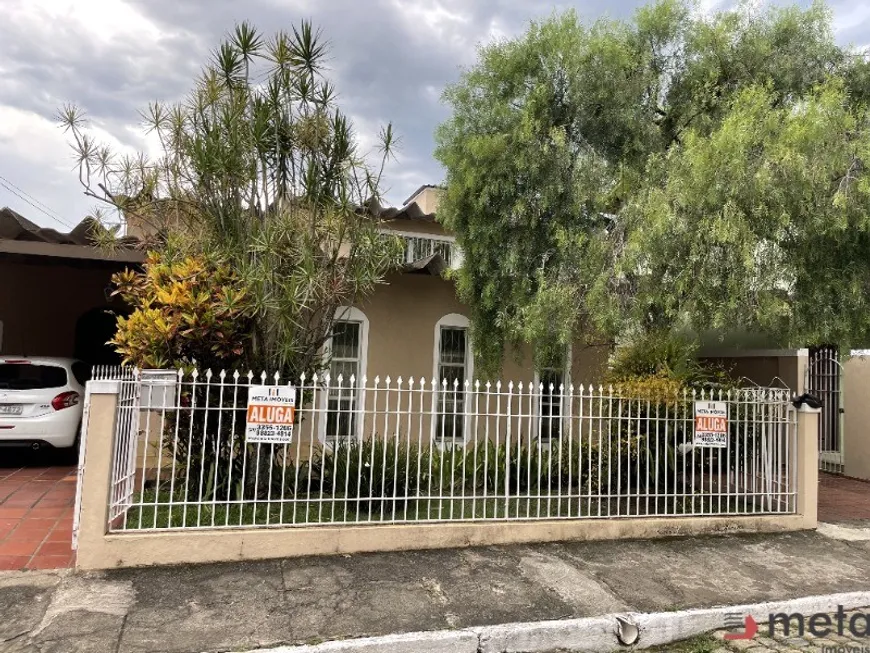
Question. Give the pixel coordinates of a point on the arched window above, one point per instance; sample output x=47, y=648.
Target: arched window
x=453, y=363
x=346, y=352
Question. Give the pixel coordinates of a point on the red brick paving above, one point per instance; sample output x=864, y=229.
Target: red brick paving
x=843, y=499
x=36, y=514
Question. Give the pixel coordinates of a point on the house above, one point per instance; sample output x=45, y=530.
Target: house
x=415, y=326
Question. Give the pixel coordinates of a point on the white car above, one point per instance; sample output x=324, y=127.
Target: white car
x=41, y=401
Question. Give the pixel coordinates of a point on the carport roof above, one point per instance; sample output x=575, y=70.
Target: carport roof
x=20, y=236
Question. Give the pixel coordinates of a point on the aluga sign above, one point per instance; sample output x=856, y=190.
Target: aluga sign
x=270, y=414
x=711, y=424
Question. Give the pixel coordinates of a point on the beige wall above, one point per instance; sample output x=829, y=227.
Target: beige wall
x=40, y=304
x=856, y=417
x=428, y=199
x=402, y=317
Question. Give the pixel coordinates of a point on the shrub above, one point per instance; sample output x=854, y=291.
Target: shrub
x=656, y=374
x=185, y=309
x=379, y=469
x=375, y=468
x=657, y=354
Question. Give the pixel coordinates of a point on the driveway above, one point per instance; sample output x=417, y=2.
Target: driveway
x=843, y=499
x=37, y=496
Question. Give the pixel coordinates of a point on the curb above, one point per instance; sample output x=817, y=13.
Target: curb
x=589, y=634
x=438, y=641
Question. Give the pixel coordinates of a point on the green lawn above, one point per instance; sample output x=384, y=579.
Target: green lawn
x=316, y=509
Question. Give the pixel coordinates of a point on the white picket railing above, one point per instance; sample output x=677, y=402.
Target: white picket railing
x=419, y=246
x=411, y=450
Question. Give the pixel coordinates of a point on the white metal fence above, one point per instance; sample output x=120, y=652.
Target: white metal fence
x=126, y=437
x=411, y=450
x=824, y=379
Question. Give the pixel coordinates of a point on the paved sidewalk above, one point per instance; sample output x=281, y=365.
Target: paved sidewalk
x=241, y=606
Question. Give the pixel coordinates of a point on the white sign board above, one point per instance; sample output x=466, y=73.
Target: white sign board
x=711, y=424
x=271, y=412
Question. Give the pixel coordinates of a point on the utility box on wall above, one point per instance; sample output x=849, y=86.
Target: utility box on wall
x=159, y=389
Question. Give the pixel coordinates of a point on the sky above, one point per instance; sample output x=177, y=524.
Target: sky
x=390, y=61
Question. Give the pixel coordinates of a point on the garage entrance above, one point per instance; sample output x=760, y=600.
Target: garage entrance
x=58, y=304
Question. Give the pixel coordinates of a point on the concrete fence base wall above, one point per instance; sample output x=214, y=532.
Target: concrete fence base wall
x=175, y=547
x=98, y=549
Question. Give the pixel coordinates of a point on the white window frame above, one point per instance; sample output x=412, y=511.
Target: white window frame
x=346, y=314
x=454, y=321
x=537, y=408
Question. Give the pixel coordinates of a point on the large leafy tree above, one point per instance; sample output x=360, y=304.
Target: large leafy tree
x=258, y=184
x=674, y=170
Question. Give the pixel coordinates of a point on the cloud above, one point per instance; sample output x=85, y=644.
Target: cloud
x=390, y=60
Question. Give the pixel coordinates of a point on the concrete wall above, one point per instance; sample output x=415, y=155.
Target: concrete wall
x=40, y=304
x=856, y=417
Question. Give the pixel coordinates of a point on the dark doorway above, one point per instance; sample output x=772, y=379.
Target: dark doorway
x=94, y=329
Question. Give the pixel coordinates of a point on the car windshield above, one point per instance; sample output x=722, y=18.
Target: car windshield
x=23, y=376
